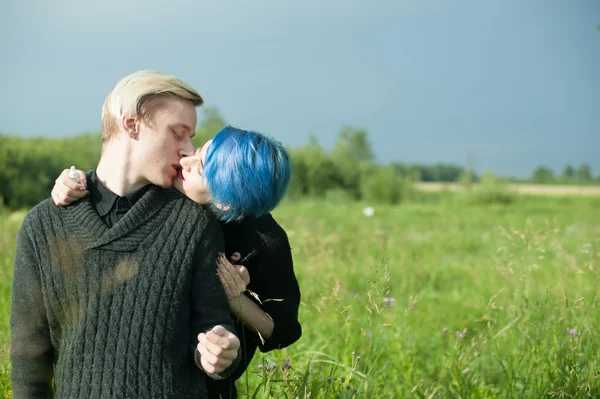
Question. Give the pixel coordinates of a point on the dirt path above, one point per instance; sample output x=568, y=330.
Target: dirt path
x=541, y=189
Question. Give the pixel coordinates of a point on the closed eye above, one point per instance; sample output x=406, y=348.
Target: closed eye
x=201, y=167
x=177, y=135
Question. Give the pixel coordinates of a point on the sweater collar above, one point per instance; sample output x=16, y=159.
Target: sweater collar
x=135, y=226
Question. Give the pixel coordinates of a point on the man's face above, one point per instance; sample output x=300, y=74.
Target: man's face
x=162, y=143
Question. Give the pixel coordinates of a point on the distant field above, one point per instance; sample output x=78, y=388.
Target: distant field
x=439, y=300
x=540, y=189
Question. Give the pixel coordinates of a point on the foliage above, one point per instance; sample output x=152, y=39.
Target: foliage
x=490, y=190
x=29, y=166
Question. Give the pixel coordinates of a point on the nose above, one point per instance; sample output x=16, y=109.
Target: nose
x=187, y=162
x=186, y=149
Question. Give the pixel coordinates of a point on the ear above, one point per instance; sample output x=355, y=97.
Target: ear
x=130, y=125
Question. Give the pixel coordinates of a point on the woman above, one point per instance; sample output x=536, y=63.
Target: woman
x=242, y=175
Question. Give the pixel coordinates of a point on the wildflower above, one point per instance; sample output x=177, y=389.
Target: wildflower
x=461, y=335
x=355, y=390
x=444, y=330
x=348, y=387
x=271, y=366
x=260, y=366
x=358, y=358
x=329, y=380
x=573, y=332
x=286, y=364
x=343, y=379
x=368, y=211
x=390, y=301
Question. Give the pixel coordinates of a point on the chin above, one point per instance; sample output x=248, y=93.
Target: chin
x=164, y=184
x=178, y=185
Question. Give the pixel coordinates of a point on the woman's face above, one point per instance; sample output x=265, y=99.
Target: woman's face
x=190, y=178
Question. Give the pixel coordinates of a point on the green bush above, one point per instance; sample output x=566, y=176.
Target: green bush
x=28, y=167
x=490, y=190
x=382, y=185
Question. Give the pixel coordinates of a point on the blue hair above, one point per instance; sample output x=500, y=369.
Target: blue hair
x=248, y=173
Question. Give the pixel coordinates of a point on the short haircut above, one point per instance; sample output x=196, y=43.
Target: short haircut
x=140, y=95
x=247, y=173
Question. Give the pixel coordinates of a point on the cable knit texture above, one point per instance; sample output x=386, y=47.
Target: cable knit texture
x=114, y=313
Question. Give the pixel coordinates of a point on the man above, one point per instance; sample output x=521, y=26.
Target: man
x=117, y=294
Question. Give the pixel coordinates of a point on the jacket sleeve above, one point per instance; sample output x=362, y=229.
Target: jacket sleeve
x=31, y=351
x=209, y=302
x=279, y=290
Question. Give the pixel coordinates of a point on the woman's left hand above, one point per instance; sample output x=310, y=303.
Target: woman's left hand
x=234, y=278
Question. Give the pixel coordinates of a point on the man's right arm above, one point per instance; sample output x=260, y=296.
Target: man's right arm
x=31, y=352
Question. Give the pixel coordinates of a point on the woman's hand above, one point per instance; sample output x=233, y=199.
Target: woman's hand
x=234, y=278
x=67, y=190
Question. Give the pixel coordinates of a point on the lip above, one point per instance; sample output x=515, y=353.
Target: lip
x=180, y=174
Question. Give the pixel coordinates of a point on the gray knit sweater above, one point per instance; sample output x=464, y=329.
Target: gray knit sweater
x=114, y=313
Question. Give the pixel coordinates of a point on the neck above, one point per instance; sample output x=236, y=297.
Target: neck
x=116, y=170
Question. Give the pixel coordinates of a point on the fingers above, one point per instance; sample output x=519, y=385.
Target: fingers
x=218, y=348
x=230, y=292
x=82, y=178
x=239, y=272
x=66, y=183
x=66, y=190
x=233, y=282
x=233, y=288
x=243, y=273
x=220, y=339
x=221, y=331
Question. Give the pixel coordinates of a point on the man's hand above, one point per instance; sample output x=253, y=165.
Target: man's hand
x=66, y=190
x=234, y=278
x=218, y=349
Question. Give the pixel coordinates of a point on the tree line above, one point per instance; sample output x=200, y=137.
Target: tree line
x=29, y=166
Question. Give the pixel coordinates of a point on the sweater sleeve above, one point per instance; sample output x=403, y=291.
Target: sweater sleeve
x=31, y=350
x=209, y=302
x=279, y=289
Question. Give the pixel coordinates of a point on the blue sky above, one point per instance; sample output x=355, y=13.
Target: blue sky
x=517, y=83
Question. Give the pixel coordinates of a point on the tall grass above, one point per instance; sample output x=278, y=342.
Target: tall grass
x=448, y=299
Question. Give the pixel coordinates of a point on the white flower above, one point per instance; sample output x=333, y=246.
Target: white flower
x=368, y=211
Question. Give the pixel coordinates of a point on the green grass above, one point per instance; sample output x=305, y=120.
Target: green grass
x=482, y=301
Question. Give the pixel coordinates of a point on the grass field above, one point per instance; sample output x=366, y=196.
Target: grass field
x=438, y=299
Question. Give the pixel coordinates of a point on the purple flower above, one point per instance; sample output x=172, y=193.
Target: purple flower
x=271, y=366
x=329, y=380
x=461, y=335
x=348, y=387
x=357, y=358
x=343, y=379
x=286, y=364
x=355, y=390
x=573, y=332
x=390, y=301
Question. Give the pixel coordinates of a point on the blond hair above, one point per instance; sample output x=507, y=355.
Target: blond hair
x=139, y=95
